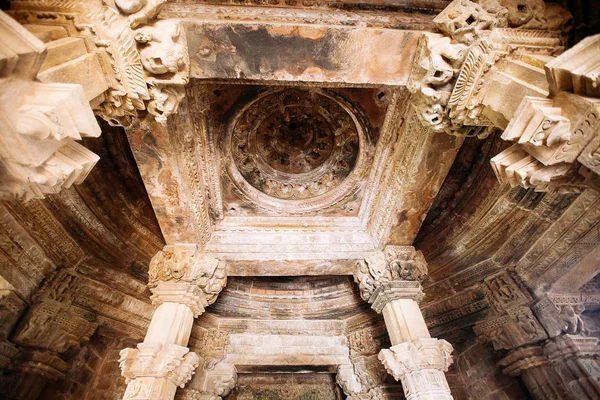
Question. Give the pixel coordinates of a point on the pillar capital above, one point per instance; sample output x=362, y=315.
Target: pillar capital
x=420, y=354
x=156, y=369
x=562, y=367
x=420, y=365
x=181, y=274
x=390, y=275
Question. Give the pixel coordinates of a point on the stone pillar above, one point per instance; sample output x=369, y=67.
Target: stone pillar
x=183, y=283
x=544, y=339
x=565, y=367
x=390, y=283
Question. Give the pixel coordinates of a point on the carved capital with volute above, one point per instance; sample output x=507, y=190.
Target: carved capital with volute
x=181, y=274
x=390, y=275
x=420, y=365
x=153, y=364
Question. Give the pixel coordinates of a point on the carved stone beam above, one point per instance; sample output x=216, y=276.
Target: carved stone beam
x=450, y=72
x=551, y=137
x=389, y=281
x=40, y=122
x=502, y=83
x=183, y=283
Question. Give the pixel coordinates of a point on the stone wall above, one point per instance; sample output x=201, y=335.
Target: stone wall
x=475, y=376
x=94, y=373
x=286, y=387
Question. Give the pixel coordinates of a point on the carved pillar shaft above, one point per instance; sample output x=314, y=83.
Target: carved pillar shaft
x=389, y=282
x=183, y=284
x=415, y=359
x=171, y=323
x=404, y=321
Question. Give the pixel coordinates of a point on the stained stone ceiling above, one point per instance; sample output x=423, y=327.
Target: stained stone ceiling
x=295, y=152
x=292, y=172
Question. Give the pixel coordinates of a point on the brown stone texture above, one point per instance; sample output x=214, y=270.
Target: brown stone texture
x=294, y=186
x=286, y=386
x=477, y=376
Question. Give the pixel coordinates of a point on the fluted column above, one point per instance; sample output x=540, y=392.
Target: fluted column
x=390, y=283
x=183, y=283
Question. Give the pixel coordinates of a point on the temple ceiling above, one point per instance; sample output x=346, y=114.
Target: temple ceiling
x=297, y=150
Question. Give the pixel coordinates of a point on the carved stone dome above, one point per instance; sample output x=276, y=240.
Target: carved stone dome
x=295, y=148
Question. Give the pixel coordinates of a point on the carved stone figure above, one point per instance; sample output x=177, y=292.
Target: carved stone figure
x=438, y=63
x=163, y=53
x=571, y=318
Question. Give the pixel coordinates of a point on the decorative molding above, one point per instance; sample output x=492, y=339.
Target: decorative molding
x=265, y=147
x=391, y=274
x=551, y=136
x=511, y=323
x=577, y=70
x=181, y=273
x=144, y=60
x=420, y=366
x=40, y=123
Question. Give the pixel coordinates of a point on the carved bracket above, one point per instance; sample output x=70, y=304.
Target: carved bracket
x=145, y=61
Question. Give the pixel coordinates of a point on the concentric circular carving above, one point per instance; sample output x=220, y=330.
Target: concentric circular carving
x=295, y=150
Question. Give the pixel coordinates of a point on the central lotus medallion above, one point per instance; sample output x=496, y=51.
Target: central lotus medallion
x=295, y=149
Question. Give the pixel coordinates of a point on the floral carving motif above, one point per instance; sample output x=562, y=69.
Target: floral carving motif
x=296, y=145
x=398, y=269
x=185, y=264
